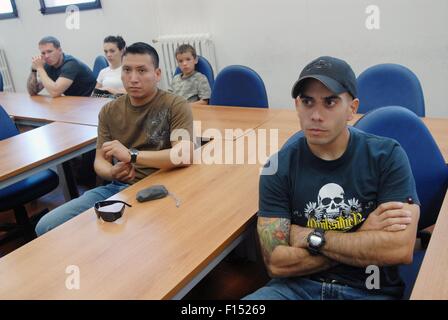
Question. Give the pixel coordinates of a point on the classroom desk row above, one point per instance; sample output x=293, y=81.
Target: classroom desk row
x=158, y=251
x=432, y=280
x=39, y=110
x=216, y=212
x=43, y=148
x=75, y=131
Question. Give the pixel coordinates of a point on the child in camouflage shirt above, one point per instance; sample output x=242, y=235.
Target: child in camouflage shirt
x=190, y=84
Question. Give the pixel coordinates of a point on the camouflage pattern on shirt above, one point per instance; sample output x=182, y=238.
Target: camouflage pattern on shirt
x=193, y=88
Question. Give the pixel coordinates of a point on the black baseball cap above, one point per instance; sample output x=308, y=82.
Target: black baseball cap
x=334, y=73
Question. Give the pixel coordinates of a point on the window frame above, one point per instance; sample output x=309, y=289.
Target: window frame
x=10, y=15
x=59, y=9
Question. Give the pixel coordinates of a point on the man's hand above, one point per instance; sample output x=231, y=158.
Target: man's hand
x=124, y=172
x=117, y=150
x=37, y=62
x=389, y=216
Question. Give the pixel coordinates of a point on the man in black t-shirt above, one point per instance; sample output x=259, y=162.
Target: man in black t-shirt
x=341, y=211
x=59, y=73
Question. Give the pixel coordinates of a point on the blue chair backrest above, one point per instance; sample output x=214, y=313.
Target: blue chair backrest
x=7, y=126
x=1, y=82
x=100, y=64
x=390, y=85
x=204, y=67
x=239, y=86
x=408, y=272
x=427, y=163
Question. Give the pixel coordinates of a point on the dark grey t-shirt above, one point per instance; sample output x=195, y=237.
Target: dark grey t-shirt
x=339, y=195
x=83, y=80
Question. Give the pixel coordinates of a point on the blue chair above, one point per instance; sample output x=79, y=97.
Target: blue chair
x=1, y=82
x=204, y=67
x=15, y=196
x=239, y=86
x=390, y=85
x=428, y=167
x=100, y=64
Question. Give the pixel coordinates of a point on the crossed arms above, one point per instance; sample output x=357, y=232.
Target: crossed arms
x=387, y=237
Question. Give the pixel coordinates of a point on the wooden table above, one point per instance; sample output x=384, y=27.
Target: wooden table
x=219, y=120
x=43, y=148
x=287, y=123
x=439, y=130
x=209, y=120
x=432, y=280
x=38, y=110
x=84, y=110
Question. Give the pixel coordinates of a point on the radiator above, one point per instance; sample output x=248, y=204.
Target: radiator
x=8, y=85
x=168, y=44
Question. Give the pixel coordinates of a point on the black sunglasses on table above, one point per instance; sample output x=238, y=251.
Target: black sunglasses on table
x=107, y=214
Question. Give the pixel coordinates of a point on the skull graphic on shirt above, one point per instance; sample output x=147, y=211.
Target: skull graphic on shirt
x=330, y=205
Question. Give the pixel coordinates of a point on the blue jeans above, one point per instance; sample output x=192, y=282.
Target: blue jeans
x=307, y=289
x=76, y=206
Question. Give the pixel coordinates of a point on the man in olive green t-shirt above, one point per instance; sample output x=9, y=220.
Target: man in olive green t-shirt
x=134, y=134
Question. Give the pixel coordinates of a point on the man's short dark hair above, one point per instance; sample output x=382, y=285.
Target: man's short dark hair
x=50, y=39
x=184, y=48
x=143, y=48
x=118, y=40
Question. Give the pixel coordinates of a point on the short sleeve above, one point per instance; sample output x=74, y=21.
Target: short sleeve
x=182, y=118
x=100, y=78
x=70, y=70
x=397, y=181
x=273, y=195
x=204, y=91
x=174, y=87
x=170, y=87
x=103, y=128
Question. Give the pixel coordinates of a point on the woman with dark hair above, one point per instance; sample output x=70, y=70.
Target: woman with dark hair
x=109, y=79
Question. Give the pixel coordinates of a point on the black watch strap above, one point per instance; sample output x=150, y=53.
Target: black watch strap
x=319, y=234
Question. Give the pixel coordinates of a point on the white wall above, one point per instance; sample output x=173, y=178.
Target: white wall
x=135, y=20
x=276, y=38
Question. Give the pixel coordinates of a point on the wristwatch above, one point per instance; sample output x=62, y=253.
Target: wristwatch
x=134, y=153
x=316, y=241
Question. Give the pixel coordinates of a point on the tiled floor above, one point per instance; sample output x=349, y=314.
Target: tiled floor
x=231, y=279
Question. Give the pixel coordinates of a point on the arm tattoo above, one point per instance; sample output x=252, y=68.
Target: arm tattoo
x=33, y=85
x=273, y=232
